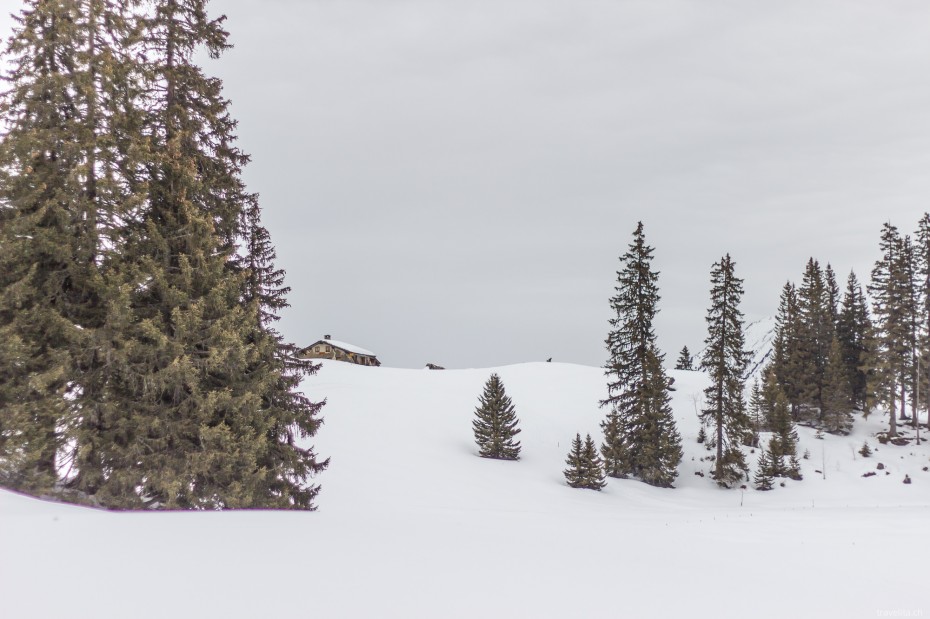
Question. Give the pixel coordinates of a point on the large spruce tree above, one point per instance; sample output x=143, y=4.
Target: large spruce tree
x=495, y=423
x=137, y=285
x=640, y=437
x=725, y=360
x=202, y=407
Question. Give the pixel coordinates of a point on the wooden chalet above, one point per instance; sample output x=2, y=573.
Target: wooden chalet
x=328, y=348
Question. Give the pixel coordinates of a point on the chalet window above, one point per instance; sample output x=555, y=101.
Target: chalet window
x=317, y=349
x=326, y=348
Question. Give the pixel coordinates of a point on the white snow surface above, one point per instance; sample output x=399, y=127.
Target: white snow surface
x=412, y=523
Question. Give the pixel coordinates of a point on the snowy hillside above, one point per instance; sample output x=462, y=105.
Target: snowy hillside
x=760, y=336
x=413, y=524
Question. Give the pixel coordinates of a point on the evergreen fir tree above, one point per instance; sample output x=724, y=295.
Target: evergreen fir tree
x=289, y=414
x=907, y=267
x=640, y=438
x=495, y=423
x=764, y=478
x=757, y=409
x=786, y=348
x=614, y=449
x=817, y=330
x=783, y=445
x=575, y=473
x=584, y=465
x=888, y=355
x=200, y=408
x=136, y=344
x=657, y=444
x=837, y=395
x=702, y=435
x=725, y=361
x=832, y=292
x=685, y=360
x=853, y=325
x=757, y=415
x=61, y=124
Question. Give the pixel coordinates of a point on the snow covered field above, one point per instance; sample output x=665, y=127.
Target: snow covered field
x=413, y=524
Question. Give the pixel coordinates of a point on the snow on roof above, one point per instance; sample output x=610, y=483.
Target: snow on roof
x=346, y=347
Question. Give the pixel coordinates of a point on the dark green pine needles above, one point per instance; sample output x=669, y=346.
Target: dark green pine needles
x=585, y=469
x=495, y=423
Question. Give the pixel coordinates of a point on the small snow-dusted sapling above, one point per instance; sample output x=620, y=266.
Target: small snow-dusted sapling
x=585, y=469
x=685, y=360
x=765, y=478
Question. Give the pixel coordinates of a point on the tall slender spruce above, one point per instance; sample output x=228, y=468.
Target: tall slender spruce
x=817, y=322
x=837, y=393
x=922, y=268
x=786, y=360
x=640, y=437
x=853, y=325
x=889, y=356
x=725, y=360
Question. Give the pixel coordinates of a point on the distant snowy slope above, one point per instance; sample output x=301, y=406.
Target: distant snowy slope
x=760, y=336
x=413, y=524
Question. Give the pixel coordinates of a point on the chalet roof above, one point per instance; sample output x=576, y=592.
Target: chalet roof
x=344, y=346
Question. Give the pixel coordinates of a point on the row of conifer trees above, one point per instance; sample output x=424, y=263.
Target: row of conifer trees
x=832, y=357
x=139, y=366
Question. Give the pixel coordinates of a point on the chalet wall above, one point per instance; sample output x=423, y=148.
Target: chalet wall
x=322, y=350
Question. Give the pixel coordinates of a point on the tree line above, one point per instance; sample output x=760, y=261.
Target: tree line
x=836, y=355
x=139, y=363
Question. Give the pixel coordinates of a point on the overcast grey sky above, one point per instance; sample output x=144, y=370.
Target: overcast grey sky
x=453, y=182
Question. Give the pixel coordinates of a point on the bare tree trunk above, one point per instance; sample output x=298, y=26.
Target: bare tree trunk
x=892, y=422
x=914, y=404
x=903, y=411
